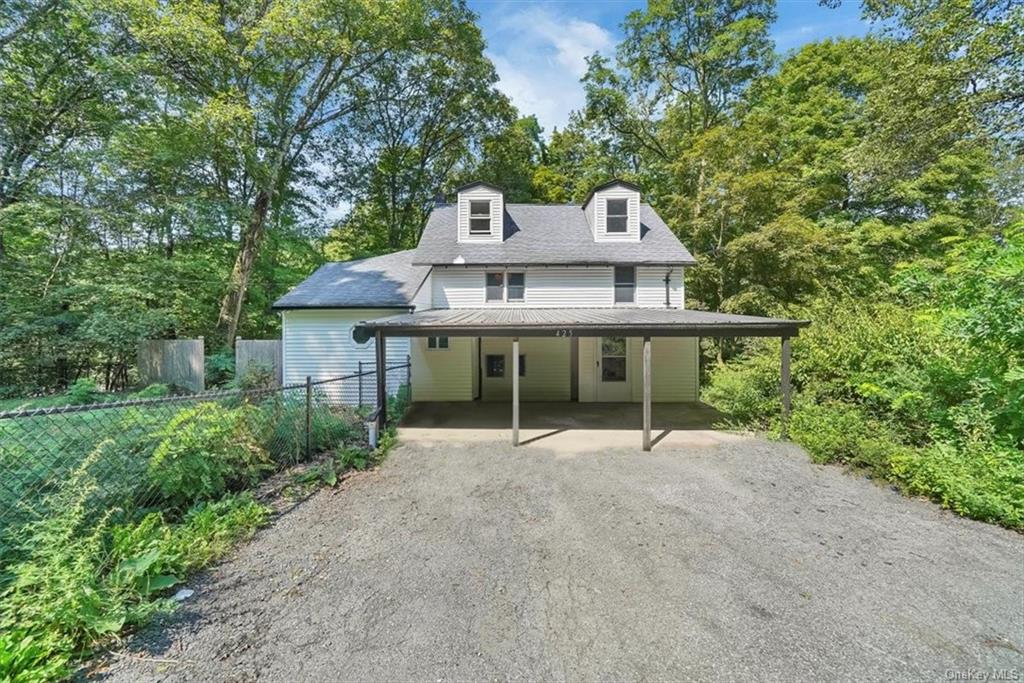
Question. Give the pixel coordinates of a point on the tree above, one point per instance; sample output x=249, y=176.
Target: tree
x=423, y=110
x=58, y=81
x=266, y=80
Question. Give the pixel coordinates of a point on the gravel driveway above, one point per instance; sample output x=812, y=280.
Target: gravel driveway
x=479, y=561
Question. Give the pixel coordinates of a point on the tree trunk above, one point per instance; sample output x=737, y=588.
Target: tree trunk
x=231, y=305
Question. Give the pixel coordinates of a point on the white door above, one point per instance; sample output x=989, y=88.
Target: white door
x=612, y=380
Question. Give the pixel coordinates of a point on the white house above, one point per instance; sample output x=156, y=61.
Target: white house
x=509, y=302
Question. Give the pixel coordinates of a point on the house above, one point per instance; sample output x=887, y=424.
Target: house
x=507, y=302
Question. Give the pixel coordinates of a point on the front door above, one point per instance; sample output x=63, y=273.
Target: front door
x=612, y=369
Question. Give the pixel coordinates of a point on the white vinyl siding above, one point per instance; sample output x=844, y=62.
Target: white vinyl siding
x=600, y=207
x=650, y=286
x=547, y=369
x=497, y=215
x=674, y=369
x=443, y=374
x=319, y=344
x=556, y=287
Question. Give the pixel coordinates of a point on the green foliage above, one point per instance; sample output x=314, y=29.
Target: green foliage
x=206, y=450
x=82, y=582
x=155, y=390
x=219, y=368
x=83, y=391
x=925, y=392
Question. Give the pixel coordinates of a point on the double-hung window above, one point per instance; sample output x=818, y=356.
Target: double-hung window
x=495, y=285
x=616, y=215
x=479, y=217
x=504, y=287
x=516, y=286
x=625, y=284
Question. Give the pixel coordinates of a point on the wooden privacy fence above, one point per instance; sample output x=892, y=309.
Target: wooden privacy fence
x=262, y=352
x=172, y=361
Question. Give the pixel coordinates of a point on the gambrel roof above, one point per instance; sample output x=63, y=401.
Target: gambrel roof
x=548, y=234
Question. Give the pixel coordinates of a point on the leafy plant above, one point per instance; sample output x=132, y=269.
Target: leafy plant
x=204, y=451
x=83, y=391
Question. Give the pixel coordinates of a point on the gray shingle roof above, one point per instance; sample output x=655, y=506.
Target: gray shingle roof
x=581, y=320
x=378, y=282
x=548, y=234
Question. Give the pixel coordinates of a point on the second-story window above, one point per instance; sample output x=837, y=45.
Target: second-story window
x=625, y=284
x=516, y=286
x=616, y=215
x=495, y=285
x=480, y=218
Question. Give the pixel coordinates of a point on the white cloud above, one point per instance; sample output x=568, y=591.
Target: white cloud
x=540, y=56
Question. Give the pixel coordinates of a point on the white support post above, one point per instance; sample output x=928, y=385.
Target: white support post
x=515, y=391
x=647, y=393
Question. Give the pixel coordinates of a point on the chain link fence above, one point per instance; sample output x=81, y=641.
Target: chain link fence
x=117, y=461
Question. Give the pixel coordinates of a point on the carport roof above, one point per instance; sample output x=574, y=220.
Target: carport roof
x=546, y=322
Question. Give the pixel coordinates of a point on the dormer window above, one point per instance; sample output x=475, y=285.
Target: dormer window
x=480, y=217
x=617, y=213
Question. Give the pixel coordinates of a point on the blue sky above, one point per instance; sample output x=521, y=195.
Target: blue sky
x=539, y=46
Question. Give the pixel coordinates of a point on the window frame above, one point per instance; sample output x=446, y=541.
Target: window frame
x=500, y=274
x=488, y=368
x=480, y=217
x=522, y=365
x=437, y=345
x=618, y=285
x=609, y=215
x=509, y=286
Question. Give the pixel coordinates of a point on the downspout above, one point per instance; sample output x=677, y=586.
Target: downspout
x=668, y=282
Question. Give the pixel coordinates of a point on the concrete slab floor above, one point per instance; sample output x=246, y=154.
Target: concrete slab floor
x=565, y=427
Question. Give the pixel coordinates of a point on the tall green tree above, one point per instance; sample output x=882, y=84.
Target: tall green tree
x=266, y=80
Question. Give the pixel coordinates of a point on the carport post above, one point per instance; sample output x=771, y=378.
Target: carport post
x=515, y=391
x=647, y=393
x=382, y=386
x=786, y=399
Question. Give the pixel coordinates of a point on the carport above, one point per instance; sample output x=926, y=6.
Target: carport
x=515, y=323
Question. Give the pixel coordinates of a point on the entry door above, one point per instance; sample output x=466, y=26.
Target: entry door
x=612, y=369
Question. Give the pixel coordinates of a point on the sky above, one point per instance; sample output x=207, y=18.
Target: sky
x=539, y=47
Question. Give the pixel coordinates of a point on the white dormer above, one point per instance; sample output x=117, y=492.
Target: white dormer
x=481, y=213
x=613, y=212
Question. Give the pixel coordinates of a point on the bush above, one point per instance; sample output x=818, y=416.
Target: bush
x=257, y=376
x=155, y=390
x=220, y=368
x=842, y=433
x=83, y=581
x=986, y=483
x=204, y=451
x=286, y=440
x=82, y=392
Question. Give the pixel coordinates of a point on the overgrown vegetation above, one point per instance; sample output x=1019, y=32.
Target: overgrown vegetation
x=134, y=500
x=923, y=387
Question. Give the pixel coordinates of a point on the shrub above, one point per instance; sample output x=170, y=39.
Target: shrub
x=155, y=390
x=83, y=581
x=286, y=440
x=219, y=368
x=842, y=433
x=984, y=482
x=205, y=450
x=83, y=391
x=257, y=376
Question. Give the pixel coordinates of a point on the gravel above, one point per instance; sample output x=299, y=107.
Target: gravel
x=741, y=560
